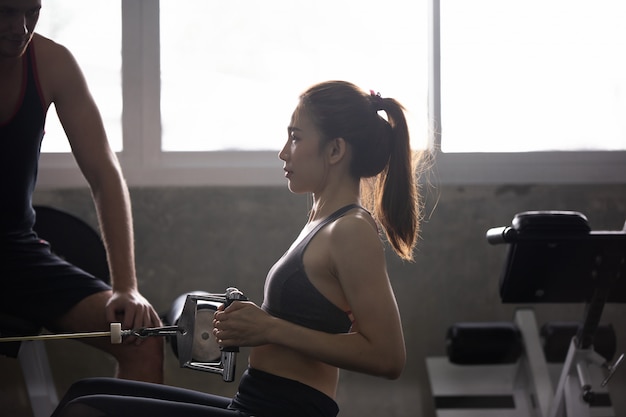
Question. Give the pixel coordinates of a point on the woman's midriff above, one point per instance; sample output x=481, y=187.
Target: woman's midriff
x=287, y=363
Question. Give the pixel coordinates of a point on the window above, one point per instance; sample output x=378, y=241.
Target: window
x=468, y=99
x=534, y=75
x=208, y=87
x=92, y=30
x=231, y=75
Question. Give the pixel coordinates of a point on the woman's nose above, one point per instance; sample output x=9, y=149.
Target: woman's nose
x=282, y=154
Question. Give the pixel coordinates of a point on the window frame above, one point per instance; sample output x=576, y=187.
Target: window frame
x=144, y=164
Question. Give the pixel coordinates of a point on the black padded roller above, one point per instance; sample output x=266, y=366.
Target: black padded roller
x=483, y=343
x=557, y=336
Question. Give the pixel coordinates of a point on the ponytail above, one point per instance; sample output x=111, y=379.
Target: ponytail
x=382, y=156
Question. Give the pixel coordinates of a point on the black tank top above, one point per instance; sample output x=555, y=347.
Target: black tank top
x=20, y=141
x=290, y=295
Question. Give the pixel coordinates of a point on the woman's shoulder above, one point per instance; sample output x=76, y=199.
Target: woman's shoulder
x=356, y=226
x=353, y=244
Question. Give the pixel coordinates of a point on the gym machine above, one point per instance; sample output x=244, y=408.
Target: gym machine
x=515, y=369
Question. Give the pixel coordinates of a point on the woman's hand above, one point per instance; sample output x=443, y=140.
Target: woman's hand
x=242, y=323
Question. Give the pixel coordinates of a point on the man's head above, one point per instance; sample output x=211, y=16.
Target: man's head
x=18, y=19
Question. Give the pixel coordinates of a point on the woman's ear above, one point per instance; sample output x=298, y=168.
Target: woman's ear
x=337, y=149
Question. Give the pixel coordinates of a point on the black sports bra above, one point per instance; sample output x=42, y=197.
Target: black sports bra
x=290, y=295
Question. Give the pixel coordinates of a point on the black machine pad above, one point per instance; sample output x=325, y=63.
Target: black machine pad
x=554, y=257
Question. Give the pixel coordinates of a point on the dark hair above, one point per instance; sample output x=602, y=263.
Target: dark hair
x=381, y=153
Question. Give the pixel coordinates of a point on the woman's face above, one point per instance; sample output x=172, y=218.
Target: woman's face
x=304, y=163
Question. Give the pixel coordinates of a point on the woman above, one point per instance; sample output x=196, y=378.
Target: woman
x=328, y=302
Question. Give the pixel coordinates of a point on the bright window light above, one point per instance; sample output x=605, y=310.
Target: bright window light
x=92, y=31
x=533, y=75
x=231, y=71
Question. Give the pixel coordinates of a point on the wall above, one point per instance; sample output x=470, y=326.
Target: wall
x=210, y=238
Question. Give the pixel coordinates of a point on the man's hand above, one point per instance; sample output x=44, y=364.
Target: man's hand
x=132, y=310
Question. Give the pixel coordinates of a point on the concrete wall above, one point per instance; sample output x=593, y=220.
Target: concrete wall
x=211, y=238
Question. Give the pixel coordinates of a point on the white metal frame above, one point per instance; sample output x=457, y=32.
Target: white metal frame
x=38, y=378
x=530, y=381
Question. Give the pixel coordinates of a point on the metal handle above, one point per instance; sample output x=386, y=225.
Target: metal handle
x=185, y=336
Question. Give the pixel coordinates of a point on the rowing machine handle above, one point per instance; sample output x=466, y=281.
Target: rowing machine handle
x=229, y=353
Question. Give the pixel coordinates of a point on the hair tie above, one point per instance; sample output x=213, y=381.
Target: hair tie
x=377, y=100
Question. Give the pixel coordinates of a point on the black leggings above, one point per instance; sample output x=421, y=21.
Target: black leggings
x=100, y=397
x=259, y=394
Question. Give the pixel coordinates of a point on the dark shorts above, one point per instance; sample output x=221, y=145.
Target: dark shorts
x=39, y=286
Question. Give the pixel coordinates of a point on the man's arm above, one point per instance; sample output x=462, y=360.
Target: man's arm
x=83, y=125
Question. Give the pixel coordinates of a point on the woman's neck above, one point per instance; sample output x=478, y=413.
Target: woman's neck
x=325, y=205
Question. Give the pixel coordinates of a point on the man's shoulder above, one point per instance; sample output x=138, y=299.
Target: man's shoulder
x=48, y=51
x=56, y=66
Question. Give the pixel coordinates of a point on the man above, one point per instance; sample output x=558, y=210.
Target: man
x=34, y=73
